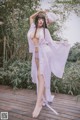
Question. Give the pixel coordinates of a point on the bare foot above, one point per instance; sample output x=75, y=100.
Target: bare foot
x=37, y=110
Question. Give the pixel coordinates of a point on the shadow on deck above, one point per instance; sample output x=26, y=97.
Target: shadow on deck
x=20, y=104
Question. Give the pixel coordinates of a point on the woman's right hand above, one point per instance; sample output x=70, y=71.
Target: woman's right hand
x=44, y=11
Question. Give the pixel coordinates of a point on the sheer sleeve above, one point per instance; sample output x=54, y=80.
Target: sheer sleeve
x=48, y=38
x=60, y=52
x=32, y=26
x=30, y=42
x=52, y=42
x=30, y=45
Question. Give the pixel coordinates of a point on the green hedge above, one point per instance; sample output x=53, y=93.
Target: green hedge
x=18, y=75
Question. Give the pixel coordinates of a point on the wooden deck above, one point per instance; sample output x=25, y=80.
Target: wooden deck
x=20, y=103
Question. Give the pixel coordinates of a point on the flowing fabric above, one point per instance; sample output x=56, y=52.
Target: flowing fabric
x=52, y=58
x=51, y=17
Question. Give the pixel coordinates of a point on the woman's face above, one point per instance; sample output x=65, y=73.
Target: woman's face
x=40, y=22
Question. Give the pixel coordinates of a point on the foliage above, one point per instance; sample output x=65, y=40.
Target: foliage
x=70, y=83
x=15, y=16
x=17, y=75
x=75, y=53
x=17, y=66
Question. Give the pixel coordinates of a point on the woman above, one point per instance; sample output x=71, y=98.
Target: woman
x=48, y=56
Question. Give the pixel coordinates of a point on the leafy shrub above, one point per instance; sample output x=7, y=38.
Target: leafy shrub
x=18, y=75
x=70, y=83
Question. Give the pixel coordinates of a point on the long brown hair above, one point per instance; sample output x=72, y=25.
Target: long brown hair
x=40, y=15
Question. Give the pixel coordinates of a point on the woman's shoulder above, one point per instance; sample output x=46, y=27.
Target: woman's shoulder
x=46, y=30
x=32, y=25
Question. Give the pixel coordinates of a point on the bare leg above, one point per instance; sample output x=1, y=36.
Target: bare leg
x=39, y=102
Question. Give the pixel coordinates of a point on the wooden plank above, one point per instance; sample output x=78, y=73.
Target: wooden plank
x=20, y=104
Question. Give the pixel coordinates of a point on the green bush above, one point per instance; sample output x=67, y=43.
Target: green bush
x=70, y=83
x=18, y=75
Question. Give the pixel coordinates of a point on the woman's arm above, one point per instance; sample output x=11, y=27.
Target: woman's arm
x=34, y=15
